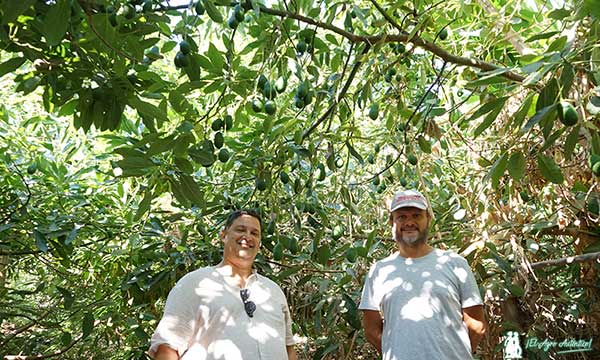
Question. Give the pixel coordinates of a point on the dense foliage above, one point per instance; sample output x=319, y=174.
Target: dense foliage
x=129, y=129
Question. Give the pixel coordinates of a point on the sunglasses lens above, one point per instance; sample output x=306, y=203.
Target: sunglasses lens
x=250, y=308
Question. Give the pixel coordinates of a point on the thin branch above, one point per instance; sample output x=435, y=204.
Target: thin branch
x=339, y=97
x=25, y=327
x=24, y=252
x=386, y=15
x=437, y=79
x=567, y=260
x=45, y=356
x=105, y=42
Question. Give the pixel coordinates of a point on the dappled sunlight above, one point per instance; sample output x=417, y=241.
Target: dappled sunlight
x=422, y=298
x=217, y=321
x=225, y=349
x=461, y=274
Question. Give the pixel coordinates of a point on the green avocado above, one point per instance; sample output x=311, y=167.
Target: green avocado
x=224, y=155
x=374, y=111
x=567, y=114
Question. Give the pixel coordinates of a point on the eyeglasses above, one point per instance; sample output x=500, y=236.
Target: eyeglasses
x=249, y=305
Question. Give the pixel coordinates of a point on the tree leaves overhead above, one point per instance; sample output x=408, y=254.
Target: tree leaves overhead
x=115, y=113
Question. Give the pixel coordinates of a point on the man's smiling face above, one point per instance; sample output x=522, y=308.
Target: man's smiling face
x=241, y=239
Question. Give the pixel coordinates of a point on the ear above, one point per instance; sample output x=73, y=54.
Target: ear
x=222, y=235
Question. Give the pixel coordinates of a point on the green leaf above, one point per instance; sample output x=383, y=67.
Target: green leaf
x=144, y=205
x=593, y=7
x=571, y=141
x=72, y=235
x=539, y=116
x=184, y=165
x=520, y=115
x=161, y=145
x=40, y=240
x=67, y=297
x=55, y=25
x=323, y=254
x=203, y=154
x=596, y=142
x=424, y=145
x=497, y=170
x=133, y=162
x=516, y=165
x=87, y=325
x=549, y=169
x=487, y=107
x=351, y=313
x=548, y=95
x=11, y=65
x=552, y=138
x=177, y=190
x=147, y=109
x=488, y=120
x=191, y=190
x=13, y=8
x=542, y=36
x=557, y=45
x=216, y=58
x=66, y=338
x=559, y=14
x=354, y=153
x=212, y=11
x=516, y=290
x=566, y=79
x=488, y=81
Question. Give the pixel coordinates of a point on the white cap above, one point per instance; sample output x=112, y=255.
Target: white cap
x=409, y=198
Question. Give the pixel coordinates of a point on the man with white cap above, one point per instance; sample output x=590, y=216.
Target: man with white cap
x=421, y=302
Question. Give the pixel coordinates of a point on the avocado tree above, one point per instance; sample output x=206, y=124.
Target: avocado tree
x=133, y=127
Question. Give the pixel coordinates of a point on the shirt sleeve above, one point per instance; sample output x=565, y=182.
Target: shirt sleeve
x=469, y=291
x=177, y=326
x=368, y=300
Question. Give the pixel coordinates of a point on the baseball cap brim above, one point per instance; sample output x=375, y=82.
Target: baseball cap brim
x=416, y=204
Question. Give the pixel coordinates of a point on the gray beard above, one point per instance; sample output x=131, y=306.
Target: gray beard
x=415, y=240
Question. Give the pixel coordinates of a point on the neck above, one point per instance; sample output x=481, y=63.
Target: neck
x=417, y=251
x=241, y=271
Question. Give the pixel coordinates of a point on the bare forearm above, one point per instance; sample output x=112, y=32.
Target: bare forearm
x=375, y=339
x=291, y=352
x=474, y=318
x=166, y=353
x=475, y=338
x=373, y=324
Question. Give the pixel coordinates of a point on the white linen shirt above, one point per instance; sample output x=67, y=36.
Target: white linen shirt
x=204, y=319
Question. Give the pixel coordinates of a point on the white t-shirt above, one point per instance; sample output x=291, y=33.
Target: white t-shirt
x=204, y=319
x=421, y=301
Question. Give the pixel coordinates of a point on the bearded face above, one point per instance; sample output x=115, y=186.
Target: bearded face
x=410, y=226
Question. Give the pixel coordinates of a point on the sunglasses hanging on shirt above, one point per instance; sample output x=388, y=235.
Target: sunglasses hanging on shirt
x=249, y=305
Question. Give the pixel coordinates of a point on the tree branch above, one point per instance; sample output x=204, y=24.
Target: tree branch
x=402, y=37
x=24, y=252
x=45, y=356
x=387, y=38
x=567, y=260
